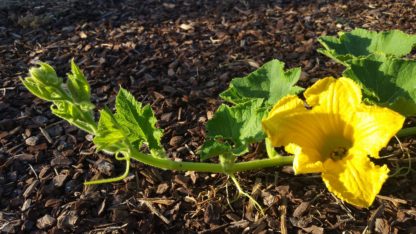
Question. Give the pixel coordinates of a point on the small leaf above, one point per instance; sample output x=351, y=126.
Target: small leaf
x=270, y=82
x=65, y=110
x=78, y=85
x=36, y=90
x=361, y=42
x=387, y=81
x=139, y=122
x=109, y=134
x=237, y=126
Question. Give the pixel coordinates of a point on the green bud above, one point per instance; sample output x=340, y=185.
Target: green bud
x=45, y=75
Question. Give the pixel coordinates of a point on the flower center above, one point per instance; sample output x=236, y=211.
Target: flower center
x=336, y=147
x=338, y=153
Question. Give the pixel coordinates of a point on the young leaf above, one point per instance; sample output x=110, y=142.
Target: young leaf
x=361, y=42
x=78, y=85
x=37, y=90
x=270, y=82
x=236, y=126
x=65, y=110
x=110, y=135
x=139, y=122
x=386, y=81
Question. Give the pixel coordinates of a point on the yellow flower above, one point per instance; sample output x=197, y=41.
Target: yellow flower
x=334, y=135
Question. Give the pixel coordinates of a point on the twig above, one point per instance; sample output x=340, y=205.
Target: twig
x=189, y=150
x=372, y=220
x=46, y=135
x=283, y=212
x=4, y=89
x=113, y=228
x=11, y=159
x=214, y=229
x=155, y=211
x=33, y=170
x=392, y=199
x=55, y=123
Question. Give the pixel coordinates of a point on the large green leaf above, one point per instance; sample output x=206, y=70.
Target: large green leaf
x=361, y=42
x=387, y=81
x=234, y=128
x=270, y=82
x=138, y=121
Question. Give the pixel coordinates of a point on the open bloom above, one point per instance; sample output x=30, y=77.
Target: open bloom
x=335, y=136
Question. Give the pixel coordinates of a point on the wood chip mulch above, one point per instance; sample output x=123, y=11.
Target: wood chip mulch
x=177, y=56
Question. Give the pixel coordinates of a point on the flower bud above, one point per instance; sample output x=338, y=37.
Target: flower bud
x=45, y=75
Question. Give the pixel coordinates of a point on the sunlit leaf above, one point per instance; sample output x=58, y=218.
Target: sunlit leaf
x=139, y=121
x=35, y=89
x=110, y=135
x=270, y=82
x=78, y=85
x=386, y=81
x=361, y=42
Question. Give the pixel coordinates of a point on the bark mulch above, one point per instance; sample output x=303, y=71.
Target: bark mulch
x=177, y=56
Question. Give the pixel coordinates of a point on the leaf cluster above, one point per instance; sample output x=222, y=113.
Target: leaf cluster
x=132, y=126
x=70, y=99
x=236, y=125
x=376, y=61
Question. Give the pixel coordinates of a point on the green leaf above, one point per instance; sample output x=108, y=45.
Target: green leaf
x=34, y=88
x=236, y=126
x=110, y=135
x=361, y=42
x=77, y=85
x=270, y=82
x=387, y=81
x=139, y=122
x=66, y=110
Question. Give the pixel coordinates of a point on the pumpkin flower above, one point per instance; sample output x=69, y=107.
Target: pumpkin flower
x=334, y=133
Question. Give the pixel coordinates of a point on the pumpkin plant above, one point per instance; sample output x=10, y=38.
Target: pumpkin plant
x=338, y=128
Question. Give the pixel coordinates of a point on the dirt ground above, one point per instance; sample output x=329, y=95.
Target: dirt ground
x=177, y=56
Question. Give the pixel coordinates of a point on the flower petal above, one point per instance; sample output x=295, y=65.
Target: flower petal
x=339, y=96
x=303, y=133
x=374, y=127
x=306, y=160
x=290, y=122
x=354, y=179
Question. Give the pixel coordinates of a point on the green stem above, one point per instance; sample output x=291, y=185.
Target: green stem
x=241, y=191
x=209, y=167
x=114, y=179
x=271, y=152
x=407, y=132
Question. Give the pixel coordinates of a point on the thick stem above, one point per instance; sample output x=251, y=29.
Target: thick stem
x=209, y=167
x=407, y=132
